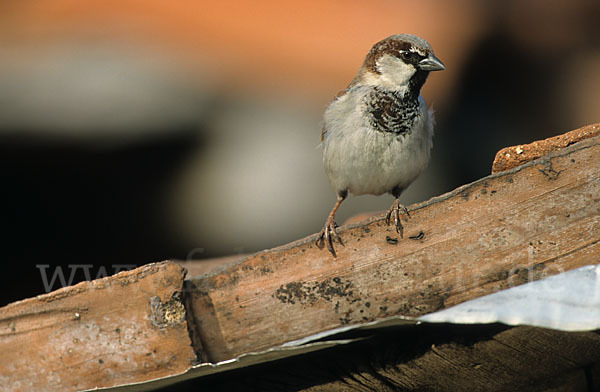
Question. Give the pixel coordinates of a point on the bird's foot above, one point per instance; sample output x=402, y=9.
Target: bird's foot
x=328, y=236
x=395, y=212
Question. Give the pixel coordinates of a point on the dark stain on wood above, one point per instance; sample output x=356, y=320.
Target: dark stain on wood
x=309, y=293
x=547, y=170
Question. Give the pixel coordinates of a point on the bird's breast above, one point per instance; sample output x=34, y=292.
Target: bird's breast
x=389, y=111
x=374, y=144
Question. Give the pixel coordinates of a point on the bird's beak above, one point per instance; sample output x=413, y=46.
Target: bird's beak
x=431, y=63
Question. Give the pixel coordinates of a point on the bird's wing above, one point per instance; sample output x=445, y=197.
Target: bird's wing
x=337, y=96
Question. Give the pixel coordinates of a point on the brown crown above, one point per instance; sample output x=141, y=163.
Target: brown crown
x=393, y=46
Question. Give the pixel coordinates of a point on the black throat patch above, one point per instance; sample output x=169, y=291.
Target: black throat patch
x=389, y=111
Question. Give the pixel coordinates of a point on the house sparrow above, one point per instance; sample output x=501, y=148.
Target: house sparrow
x=378, y=131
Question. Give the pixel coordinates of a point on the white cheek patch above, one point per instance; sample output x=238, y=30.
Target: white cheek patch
x=394, y=73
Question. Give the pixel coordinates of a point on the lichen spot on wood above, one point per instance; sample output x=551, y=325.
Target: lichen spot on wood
x=168, y=313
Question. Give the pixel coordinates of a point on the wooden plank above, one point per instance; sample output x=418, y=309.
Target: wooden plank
x=130, y=327
x=433, y=358
x=512, y=227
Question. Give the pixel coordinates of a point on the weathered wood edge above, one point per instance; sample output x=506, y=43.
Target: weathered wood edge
x=513, y=156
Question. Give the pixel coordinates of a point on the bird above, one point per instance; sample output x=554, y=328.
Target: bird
x=377, y=133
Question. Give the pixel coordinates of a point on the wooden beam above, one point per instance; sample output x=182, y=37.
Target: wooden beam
x=536, y=220
x=431, y=357
x=126, y=328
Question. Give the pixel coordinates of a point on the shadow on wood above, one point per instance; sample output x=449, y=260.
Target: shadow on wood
x=443, y=357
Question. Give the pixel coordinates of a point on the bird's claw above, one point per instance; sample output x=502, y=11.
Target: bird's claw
x=328, y=236
x=395, y=211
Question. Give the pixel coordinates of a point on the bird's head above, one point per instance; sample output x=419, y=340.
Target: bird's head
x=400, y=62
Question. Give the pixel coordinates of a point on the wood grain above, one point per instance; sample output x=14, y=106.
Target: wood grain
x=129, y=327
x=520, y=225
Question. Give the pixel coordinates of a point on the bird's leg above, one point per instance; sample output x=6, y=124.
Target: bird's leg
x=328, y=235
x=395, y=212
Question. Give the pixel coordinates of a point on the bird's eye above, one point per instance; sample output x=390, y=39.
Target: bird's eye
x=405, y=55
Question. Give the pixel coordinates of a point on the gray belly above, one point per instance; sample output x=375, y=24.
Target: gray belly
x=366, y=161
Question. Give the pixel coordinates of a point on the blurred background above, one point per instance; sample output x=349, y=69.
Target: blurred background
x=137, y=131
